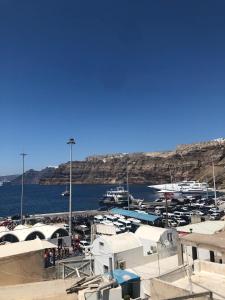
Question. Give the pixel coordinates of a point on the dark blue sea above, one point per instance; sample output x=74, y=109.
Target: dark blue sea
x=47, y=198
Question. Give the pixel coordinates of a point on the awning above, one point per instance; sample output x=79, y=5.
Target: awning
x=123, y=276
x=135, y=215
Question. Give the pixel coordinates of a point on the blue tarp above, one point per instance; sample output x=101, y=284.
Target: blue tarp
x=123, y=276
x=135, y=214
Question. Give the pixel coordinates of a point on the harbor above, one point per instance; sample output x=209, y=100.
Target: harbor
x=123, y=246
x=112, y=157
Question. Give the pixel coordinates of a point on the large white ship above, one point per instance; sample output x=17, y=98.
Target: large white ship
x=183, y=187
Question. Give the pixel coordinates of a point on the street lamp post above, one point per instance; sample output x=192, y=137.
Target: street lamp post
x=22, y=189
x=214, y=183
x=128, y=195
x=71, y=142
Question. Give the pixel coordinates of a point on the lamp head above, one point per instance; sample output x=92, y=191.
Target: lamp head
x=71, y=141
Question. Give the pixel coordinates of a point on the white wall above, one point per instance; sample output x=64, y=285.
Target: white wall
x=147, y=242
x=107, y=294
x=203, y=254
x=101, y=255
x=132, y=257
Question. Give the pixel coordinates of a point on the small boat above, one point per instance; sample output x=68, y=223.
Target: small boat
x=66, y=193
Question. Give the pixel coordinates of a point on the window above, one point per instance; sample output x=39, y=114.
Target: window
x=122, y=265
x=105, y=269
x=169, y=236
x=101, y=245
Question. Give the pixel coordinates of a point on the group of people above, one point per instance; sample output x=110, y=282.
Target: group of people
x=76, y=246
x=49, y=258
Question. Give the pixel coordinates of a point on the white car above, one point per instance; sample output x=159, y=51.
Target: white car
x=84, y=245
x=66, y=226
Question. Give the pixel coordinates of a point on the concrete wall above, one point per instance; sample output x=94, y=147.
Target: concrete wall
x=22, y=268
x=210, y=267
x=107, y=294
x=161, y=290
x=132, y=257
x=174, y=275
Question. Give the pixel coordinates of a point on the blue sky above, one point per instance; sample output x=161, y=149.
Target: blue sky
x=118, y=76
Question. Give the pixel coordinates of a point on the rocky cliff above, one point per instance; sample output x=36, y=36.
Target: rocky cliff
x=193, y=162
x=33, y=176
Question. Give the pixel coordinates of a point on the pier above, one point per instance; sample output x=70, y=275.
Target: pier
x=80, y=213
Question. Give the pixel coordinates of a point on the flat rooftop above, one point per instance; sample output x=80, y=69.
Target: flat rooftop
x=207, y=227
x=204, y=281
x=206, y=240
x=154, y=268
x=45, y=290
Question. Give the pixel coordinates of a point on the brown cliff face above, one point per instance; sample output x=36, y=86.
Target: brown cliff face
x=192, y=162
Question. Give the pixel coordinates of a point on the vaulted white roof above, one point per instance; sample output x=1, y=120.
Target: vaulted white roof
x=122, y=242
x=150, y=232
x=3, y=229
x=21, y=232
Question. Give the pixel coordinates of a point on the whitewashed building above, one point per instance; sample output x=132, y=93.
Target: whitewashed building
x=20, y=233
x=157, y=239
x=123, y=250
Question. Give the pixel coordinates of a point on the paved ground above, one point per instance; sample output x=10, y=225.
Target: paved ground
x=204, y=281
x=46, y=290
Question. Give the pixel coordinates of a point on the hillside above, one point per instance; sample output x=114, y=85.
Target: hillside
x=192, y=161
x=33, y=176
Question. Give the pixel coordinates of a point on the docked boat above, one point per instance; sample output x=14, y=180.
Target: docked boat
x=118, y=197
x=184, y=187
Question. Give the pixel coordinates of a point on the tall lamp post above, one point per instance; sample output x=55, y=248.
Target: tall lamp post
x=128, y=195
x=22, y=189
x=71, y=142
x=214, y=183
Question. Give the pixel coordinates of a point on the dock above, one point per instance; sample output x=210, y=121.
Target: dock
x=79, y=213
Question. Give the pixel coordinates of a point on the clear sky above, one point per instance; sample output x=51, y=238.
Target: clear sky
x=118, y=76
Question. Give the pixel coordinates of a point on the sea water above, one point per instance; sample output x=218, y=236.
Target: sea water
x=47, y=198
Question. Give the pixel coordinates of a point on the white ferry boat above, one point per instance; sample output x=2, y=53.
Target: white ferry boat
x=185, y=187
x=118, y=197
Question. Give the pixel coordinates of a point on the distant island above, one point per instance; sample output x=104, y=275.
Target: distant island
x=190, y=161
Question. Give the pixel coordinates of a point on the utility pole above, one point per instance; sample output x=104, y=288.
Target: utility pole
x=22, y=189
x=71, y=142
x=214, y=183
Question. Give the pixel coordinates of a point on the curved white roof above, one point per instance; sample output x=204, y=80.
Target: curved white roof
x=122, y=242
x=3, y=229
x=150, y=232
x=49, y=230
x=22, y=232
x=39, y=224
x=19, y=227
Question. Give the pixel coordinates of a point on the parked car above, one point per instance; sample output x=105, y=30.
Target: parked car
x=85, y=246
x=215, y=216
